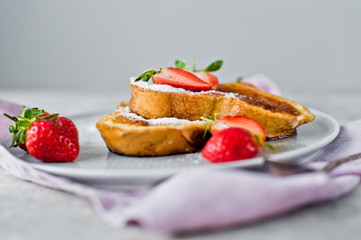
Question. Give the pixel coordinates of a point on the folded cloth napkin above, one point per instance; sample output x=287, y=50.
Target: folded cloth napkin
x=206, y=199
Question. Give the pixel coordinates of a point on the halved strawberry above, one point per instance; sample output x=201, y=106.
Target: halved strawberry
x=209, y=78
x=181, y=79
x=239, y=122
x=230, y=144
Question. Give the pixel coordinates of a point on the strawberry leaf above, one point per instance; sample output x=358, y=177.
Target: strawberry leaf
x=28, y=114
x=11, y=117
x=22, y=139
x=12, y=129
x=18, y=135
x=36, y=112
x=214, y=66
x=206, y=130
x=263, y=143
x=145, y=76
x=23, y=121
x=141, y=76
x=13, y=142
x=209, y=119
x=48, y=116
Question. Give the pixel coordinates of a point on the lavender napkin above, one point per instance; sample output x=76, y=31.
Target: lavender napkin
x=200, y=200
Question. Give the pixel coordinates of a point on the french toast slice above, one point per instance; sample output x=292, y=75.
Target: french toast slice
x=126, y=133
x=279, y=116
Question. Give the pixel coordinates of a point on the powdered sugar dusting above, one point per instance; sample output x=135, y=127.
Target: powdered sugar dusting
x=167, y=88
x=126, y=112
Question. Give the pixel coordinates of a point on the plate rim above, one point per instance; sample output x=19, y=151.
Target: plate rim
x=106, y=174
x=281, y=157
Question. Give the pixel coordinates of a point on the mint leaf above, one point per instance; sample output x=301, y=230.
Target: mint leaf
x=180, y=64
x=239, y=79
x=214, y=66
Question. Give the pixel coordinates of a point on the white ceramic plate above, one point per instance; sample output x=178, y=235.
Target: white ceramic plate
x=95, y=165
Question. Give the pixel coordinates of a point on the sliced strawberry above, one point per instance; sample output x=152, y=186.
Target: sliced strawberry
x=230, y=144
x=209, y=78
x=181, y=79
x=239, y=122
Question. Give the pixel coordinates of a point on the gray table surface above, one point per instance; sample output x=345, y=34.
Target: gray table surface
x=29, y=211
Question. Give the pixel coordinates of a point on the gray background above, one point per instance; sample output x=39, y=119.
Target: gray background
x=97, y=45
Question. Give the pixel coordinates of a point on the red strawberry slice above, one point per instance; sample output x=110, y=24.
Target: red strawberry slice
x=239, y=122
x=230, y=144
x=53, y=140
x=181, y=79
x=209, y=78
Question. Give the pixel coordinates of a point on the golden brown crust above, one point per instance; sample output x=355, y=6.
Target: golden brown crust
x=125, y=136
x=278, y=116
x=259, y=98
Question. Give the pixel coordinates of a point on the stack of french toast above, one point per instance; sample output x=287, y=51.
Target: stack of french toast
x=164, y=114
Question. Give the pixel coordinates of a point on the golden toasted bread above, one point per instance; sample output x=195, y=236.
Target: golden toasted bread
x=279, y=116
x=129, y=134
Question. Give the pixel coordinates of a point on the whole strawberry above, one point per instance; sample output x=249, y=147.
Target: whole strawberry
x=230, y=144
x=46, y=137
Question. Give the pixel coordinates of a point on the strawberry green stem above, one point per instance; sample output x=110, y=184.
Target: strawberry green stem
x=23, y=121
x=262, y=142
x=145, y=76
x=211, y=120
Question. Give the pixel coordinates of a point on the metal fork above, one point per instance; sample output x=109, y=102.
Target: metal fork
x=286, y=169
